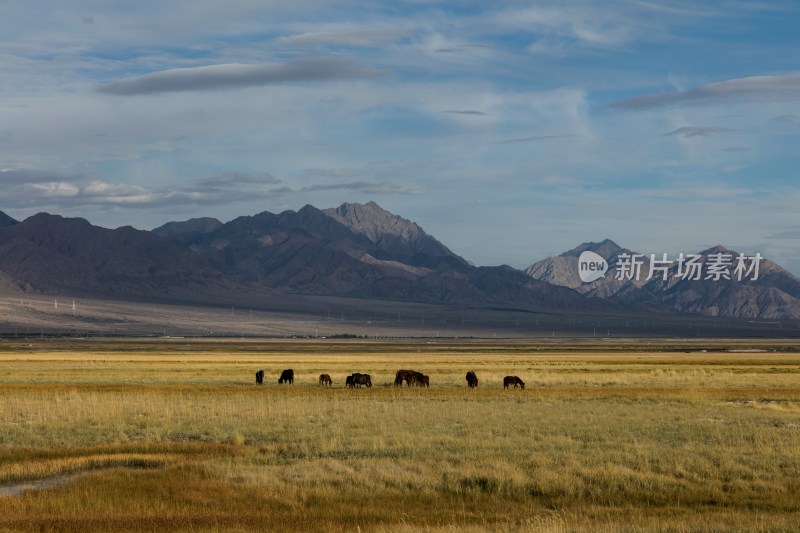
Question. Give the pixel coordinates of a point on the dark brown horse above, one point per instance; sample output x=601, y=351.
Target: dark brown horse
x=472, y=379
x=325, y=379
x=348, y=382
x=287, y=376
x=260, y=377
x=419, y=379
x=361, y=379
x=513, y=380
x=403, y=375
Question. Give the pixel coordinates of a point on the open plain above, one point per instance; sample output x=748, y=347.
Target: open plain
x=608, y=435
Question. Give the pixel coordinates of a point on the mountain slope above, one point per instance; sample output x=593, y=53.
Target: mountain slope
x=50, y=254
x=303, y=252
x=775, y=294
x=6, y=220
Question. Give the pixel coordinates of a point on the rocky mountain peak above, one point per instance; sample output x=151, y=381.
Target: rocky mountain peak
x=718, y=249
x=605, y=248
x=374, y=222
x=392, y=234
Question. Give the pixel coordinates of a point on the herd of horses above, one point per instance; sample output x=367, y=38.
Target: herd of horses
x=409, y=377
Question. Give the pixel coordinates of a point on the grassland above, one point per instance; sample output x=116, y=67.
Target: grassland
x=175, y=435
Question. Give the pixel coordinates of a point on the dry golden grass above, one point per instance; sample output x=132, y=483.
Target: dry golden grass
x=176, y=436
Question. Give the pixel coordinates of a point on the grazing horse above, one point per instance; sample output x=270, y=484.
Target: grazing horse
x=348, y=382
x=419, y=379
x=413, y=378
x=260, y=377
x=361, y=379
x=287, y=376
x=513, y=380
x=472, y=379
x=325, y=379
x=403, y=375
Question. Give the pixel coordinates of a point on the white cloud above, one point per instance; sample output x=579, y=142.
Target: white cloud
x=366, y=187
x=103, y=189
x=536, y=138
x=710, y=192
x=697, y=131
x=357, y=37
x=80, y=191
x=55, y=189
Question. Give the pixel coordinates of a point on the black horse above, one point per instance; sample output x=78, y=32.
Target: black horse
x=361, y=379
x=513, y=380
x=287, y=376
x=472, y=379
x=260, y=377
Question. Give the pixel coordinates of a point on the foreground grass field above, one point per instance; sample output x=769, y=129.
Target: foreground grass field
x=175, y=435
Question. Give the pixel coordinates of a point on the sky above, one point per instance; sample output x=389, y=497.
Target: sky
x=510, y=131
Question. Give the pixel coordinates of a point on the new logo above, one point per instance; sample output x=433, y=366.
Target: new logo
x=591, y=266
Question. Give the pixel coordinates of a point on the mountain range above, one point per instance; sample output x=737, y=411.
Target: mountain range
x=355, y=251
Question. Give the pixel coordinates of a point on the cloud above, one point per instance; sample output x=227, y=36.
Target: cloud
x=554, y=181
x=695, y=131
x=234, y=75
x=348, y=38
x=102, y=189
x=56, y=189
x=13, y=176
x=790, y=232
x=786, y=119
x=536, y=138
x=366, y=187
x=694, y=193
x=738, y=149
x=465, y=112
x=594, y=26
x=777, y=87
x=51, y=189
x=230, y=179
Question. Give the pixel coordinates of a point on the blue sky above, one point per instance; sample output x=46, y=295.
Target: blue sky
x=509, y=130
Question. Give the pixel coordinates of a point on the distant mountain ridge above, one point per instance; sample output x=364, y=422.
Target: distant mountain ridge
x=362, y=250
x=188, y=230
x=354, y=250
x=52, y=254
